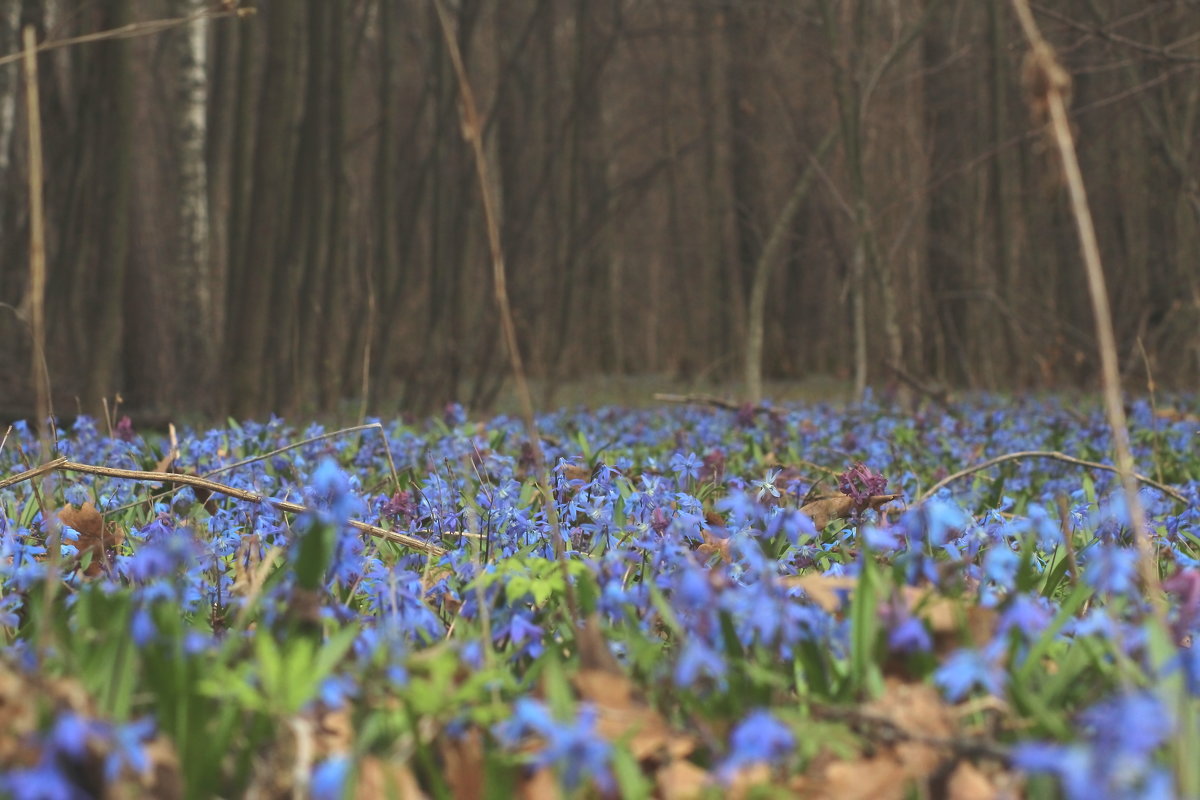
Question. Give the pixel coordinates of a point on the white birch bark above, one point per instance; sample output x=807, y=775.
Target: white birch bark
x=200, y=328
x=9, y=78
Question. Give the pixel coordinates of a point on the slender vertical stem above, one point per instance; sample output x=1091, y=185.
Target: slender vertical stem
x=1050, y=82
x=37, y=318
x=37, y=237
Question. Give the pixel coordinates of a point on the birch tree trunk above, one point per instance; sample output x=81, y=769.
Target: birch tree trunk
x=8, y=95
x=197, y=330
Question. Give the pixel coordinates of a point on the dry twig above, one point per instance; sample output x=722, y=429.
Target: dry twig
x=1051, y=454
x=712, y=400
x=64, y=465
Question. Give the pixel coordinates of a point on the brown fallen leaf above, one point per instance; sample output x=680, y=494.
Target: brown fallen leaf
x=464, y=764
x=96, y=536
x=713, y=546
x=919, y=711
x=541, y=785
x=749, y=781
x=380, y=778
x=877, y=778
x=623, y=716
x=681, y=780
x=967, y=782
x=826, y=591
x=827, y=509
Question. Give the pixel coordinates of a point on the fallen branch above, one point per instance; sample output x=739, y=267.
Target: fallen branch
x=715, y=402
x=387, y=451
x=938, y=394
x=882, y=730
x=1056, y=456
x=64, y=465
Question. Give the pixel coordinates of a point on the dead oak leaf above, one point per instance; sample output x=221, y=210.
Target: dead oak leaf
x=827, y=509
x=827, y=591
x=96, y=536
x=713, y=546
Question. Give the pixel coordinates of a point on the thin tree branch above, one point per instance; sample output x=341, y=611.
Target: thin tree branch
x=64, y=465
x=1053, y=455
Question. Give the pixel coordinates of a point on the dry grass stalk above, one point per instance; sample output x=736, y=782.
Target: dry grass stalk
x=1048, y=85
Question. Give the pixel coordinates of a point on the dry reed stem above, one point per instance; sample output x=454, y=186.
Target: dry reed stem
x=39, y=374
x=1051, y=454
x=65, y=465
x=37, y=238
x=1050, y=84
x=473, y=132
x=130, y=31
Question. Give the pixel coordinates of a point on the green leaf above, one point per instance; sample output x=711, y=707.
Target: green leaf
x=315, y=554
x=864, y=635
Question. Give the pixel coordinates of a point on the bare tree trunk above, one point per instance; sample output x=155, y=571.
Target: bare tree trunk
x=251, y=319
x=105, y=372
x=198, y=336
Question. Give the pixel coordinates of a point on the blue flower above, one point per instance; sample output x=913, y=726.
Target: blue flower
x=1027, y=614
x=1111, y=569
x=332, y=491
x=1116, y=759
x=70, y=734
x=43, y=782
x=757, y=739
x=128, y=749
x=697, y=659
x=910, y=636
x=329, y=778
x=574, y=748
x=767, y=485
x=966, y=669
x=1000, y=564
x=686, y=467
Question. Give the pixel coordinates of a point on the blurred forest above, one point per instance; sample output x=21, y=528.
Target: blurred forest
x=278, y=212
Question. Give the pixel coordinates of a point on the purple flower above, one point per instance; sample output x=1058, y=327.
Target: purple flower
x=1186, y=584
x=860, y=483
x=124, y=430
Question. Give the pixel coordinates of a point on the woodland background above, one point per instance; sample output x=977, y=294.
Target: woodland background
x=277, y=211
